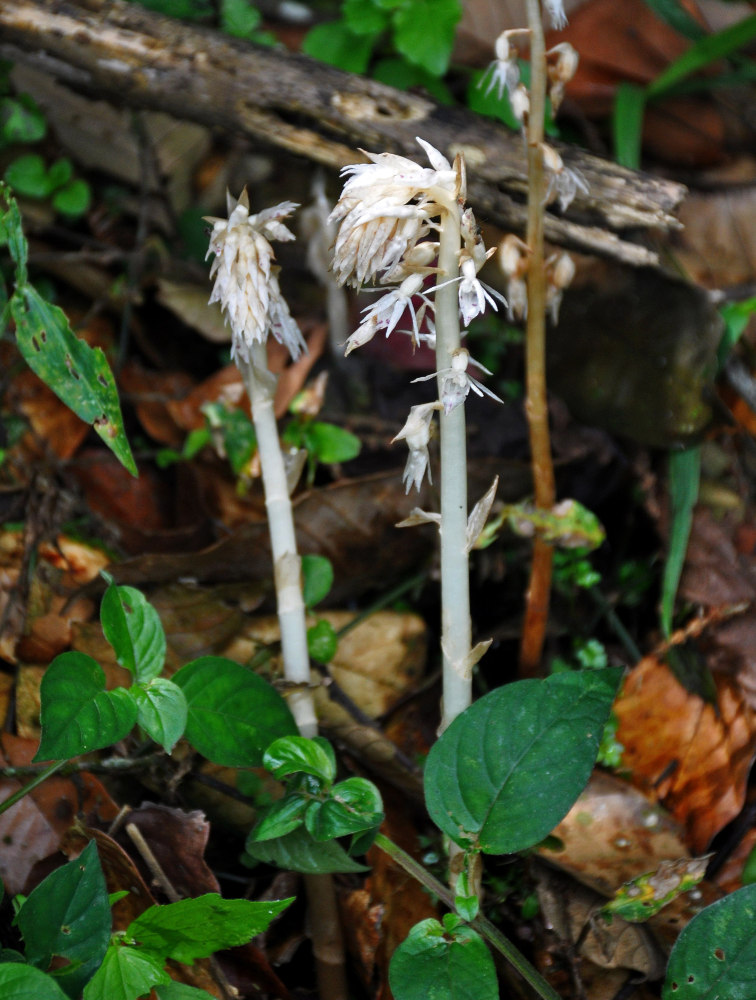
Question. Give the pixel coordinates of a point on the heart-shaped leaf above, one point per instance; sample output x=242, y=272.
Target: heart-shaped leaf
x=234, y=715
x=509, y=768
x=162, y=711
x=451, y=966
x=77, y=714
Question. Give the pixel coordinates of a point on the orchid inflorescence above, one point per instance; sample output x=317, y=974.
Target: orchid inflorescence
x=390, y=211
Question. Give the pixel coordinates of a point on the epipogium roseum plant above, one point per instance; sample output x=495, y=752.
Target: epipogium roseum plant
x=246, y=285
x=400, y=226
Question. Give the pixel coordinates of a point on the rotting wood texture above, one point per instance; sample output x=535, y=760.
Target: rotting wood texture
x=132, y=56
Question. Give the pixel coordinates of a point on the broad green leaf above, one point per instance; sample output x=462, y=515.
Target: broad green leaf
x=330, y=443
x=684, y=480
x=317, y=579
x=714, y=957
x=134, y=630
x=510, y=767
x=281, y=818
x=239, y=18
x=68, y=915
x=77, y=713
x=125, y=974
x=399, y=73
x=73, y=199
x=322, y=641
x=77, y=373
x=363, y=17
x=60, y=172
x=428, y=964
x=703, y=53
x=300, y=755
x=335, y=44
x=21, y=120
x=627, y=124
x=233, y=714
x=298, y=852
x=424, y=33
x=180, y=991
x=195, y=928
x=24, y=982
x=28, y=176
x=162, y=711
x=354, y=805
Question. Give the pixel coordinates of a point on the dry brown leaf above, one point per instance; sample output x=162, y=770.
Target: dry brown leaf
x=690, y=756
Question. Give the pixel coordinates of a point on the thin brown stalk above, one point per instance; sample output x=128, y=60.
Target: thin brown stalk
x=536, y=404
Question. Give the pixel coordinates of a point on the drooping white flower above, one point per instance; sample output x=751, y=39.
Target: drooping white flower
x=390, y=308
x=514, y=260
x=556, y=13
x=560, y=270
x=416, y=432
x=473, y=293
x=561, y=66
x=456, y=381
x=563, y=183
x=504, y=70
x=245, y=280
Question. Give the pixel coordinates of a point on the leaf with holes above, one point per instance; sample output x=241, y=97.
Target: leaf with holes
x=509, y=768
x=68, y=916
x=77, y=713
x=77, y=373
x=714, y=956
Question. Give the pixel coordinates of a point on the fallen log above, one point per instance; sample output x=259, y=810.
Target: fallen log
x=131, y=56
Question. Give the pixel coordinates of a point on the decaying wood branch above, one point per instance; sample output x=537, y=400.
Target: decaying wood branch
x=129, y=55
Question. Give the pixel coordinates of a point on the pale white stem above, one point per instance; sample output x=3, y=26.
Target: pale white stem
x=261, y=387
x=456, y=629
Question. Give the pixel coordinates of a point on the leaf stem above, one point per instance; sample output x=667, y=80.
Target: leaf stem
x=494, y=936
x=536, y=404
x=30, y=786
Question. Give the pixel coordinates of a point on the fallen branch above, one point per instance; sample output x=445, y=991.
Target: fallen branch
x=131, y=56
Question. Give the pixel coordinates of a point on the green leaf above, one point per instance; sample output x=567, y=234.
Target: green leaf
x=68, y=915
x=487, y=102
x=300, y=755
x=280, y=818
x=703, y=53
x=363, y=17
x=60, y=173
x=195, y=928
x=714, y=956
x=684, y=480
x=298, y=852
x=674, y=14
x=239, y=18
x=162, y=711
x=428, y=964
x=335, y=44
x=399, y=73
x=180, y=991
x=14, y=233
x=125, y=974
x=21, y=120
x=28, y=176
x=134, y=630
x=73, y=199
x=331, y=443
x=354, y=805
x=424, y=33
x=233, y=714
x=627, y=124
x=24, y=982
x=77, y=373
x=322, y=641
x=78, y=715
x=509, y=768
x=317, y=579
x=736, y=316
